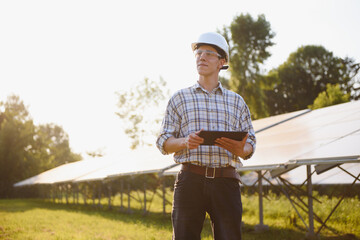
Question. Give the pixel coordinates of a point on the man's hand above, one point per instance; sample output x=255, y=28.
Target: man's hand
x=238, y=148
x=192, y=141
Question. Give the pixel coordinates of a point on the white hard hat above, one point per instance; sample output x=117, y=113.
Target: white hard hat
x=213, y=38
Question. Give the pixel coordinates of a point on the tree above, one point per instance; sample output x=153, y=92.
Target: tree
x=139, y=111
x=249, y=41
x=355, y=81
x=305, y=74
x=331, y=96
x=52, y=143
x=26, y=149
x=16, y=135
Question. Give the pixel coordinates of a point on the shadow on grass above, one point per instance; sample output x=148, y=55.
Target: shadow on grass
x=275, y=233
x=157, y=220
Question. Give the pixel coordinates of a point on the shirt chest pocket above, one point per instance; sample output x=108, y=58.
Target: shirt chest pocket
x=225, y=121
x=232, y=122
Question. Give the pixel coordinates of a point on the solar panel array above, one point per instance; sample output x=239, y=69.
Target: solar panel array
x=298, y=138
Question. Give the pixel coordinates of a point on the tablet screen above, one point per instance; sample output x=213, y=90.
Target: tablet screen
x=211, y=136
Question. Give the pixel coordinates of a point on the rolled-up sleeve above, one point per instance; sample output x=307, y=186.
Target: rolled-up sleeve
x=170, y=126
x=252, y=140
x=246, y=122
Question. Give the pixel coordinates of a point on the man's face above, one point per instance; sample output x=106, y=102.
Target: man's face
x=208, y=61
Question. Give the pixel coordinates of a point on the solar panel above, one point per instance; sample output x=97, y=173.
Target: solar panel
x=66, y=172
x=311, y=135
x=143, y=161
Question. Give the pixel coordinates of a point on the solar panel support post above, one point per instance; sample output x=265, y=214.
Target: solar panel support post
x=99, y=195
x=260, y=227
x=77, y=193
x=144, y=198
x=56, y=192
x=62, y=189
x=73, y=190
x=66, y=193
x=121, y=194
x=93, y=195
x=59, y=193
x=109, y=195
x=84, y=193
x=53, y=191
x=163, y=194
x=128, y=193
x=57, y=197
x=311, y=233
x=72, y=193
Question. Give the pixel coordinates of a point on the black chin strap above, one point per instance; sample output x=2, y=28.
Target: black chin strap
x=224, y=67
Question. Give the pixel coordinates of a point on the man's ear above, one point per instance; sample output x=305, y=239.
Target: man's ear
x=221, y=63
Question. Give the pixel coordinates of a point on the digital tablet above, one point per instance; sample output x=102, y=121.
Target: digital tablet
x=211, y=136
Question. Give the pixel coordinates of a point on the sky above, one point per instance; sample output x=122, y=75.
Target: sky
x=66, y=59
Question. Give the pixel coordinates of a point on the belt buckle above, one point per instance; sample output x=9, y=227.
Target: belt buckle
x=206, y=173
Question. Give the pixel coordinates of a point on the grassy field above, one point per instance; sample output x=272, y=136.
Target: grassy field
x=23, y=219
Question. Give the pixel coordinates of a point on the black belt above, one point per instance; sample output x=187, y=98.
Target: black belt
x=208, y=172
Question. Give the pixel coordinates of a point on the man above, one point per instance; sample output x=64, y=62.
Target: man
x=208, y=181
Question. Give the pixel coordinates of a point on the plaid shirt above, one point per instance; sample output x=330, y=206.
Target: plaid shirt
x=194, y=108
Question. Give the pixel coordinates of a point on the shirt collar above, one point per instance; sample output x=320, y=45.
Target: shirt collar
x=219, y=88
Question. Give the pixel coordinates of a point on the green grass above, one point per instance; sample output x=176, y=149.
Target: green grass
x=35, y=219
x=284, y=223
x=38, y=219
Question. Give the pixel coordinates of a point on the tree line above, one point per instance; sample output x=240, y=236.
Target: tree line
x=27, y=149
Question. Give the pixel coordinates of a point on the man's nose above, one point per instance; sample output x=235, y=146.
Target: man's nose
x=202, y=56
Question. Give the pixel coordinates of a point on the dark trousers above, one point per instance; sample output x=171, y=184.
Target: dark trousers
x=194, y=195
